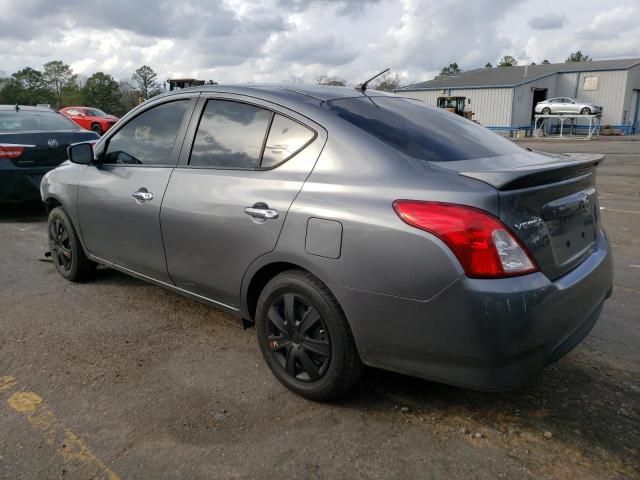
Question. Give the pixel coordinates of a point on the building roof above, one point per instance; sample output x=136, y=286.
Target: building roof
x=512, y=76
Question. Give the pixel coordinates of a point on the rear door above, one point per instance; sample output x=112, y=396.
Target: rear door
x=119, y=199
x=244, y=162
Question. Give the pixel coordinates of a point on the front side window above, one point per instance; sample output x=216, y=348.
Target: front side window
x=230, y=135
x=286, y=138
x=149, y=138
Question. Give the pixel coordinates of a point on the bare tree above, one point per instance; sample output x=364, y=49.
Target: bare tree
x=295, y=79
x=323, y=79
x=388, y=82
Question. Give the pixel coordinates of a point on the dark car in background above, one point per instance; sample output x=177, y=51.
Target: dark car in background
x=90, y=118
x=33, y=140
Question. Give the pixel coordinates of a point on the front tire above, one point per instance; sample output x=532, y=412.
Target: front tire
x=96, y=128
x=305, y=338
x=66, y=250
x=546, y=111
x=585, y=111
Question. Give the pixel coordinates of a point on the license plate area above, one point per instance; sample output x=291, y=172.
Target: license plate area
x=572, y=225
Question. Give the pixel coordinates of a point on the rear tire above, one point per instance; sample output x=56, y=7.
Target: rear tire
x=305, y=338
x=66, y=250
x=96, y=128
x=585, y=111
x=546, y=111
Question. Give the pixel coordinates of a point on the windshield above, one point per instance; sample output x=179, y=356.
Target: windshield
x=94, y=112
x=12, y=121
x=420, y=130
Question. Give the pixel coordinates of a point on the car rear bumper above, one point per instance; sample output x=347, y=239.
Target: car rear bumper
x=20, y=184
x=480, y=333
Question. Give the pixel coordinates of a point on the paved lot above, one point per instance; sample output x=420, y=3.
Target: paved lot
x=117, y=378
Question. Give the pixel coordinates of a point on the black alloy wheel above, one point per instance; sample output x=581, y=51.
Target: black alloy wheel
x=305, y=337
x=60, y=242
x=66, y=250
x=298, y=337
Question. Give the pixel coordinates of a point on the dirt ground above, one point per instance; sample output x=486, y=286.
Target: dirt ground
x=116, y=378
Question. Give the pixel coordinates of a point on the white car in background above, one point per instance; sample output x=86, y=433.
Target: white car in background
x=567, y=105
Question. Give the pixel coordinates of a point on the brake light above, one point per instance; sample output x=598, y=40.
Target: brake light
x=12, y=150
x=483, y=244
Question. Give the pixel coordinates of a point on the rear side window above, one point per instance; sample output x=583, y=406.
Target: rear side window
x=230, y=135
x=12, y=121
x=420, y=130
x=286, y=138
x=148, y=139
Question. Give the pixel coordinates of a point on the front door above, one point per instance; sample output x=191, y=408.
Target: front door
x=119, y=199
x=227, y=200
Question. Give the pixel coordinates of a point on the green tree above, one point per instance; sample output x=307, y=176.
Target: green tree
x=449, y=71
x=11, y=91
x=102, y=91
x=145, y=80
x=545, y=62
x=488, y=65
x=33, y=86
x=508, y=61
x=59, y=79
x=577, y=56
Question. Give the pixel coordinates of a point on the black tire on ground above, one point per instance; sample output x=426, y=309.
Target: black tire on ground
x=96, y=128
x=305, y=338
x=546, y=111
x=585, y=111
x=66, y=250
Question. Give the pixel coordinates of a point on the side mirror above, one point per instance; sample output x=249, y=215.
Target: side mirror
x=81, y=153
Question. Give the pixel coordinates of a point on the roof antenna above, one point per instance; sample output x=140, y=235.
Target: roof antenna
x=363, y=86
x=17, y=107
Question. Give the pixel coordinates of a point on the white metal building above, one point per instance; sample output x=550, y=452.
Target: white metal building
x=504, y=97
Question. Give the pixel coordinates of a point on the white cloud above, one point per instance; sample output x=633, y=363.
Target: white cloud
x=270, y=40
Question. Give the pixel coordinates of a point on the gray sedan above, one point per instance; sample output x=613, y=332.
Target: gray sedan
x=350, y=227
x=565, y=105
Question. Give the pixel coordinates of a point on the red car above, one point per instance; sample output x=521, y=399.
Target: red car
x=90, y=118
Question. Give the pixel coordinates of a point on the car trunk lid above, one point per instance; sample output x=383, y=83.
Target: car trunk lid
x=43, y=149
x=549, y=202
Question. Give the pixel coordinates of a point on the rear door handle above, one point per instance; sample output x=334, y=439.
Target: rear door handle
x=260, y=211
x=142, y=195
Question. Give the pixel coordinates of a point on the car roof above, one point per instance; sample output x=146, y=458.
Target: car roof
x=289, y=93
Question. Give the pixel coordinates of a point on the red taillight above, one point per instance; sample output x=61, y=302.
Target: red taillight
x=483, y=244
x=10, y=151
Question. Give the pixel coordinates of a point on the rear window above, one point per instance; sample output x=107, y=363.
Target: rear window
x=419, y=130
x=12, y=121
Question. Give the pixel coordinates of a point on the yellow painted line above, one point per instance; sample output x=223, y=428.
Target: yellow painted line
x=77, y=457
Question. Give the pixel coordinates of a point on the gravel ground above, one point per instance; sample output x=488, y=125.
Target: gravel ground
x=116, y=378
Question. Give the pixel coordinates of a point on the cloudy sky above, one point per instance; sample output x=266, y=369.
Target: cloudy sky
x=272, y=40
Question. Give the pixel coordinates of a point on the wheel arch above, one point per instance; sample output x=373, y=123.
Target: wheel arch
x=260, y=273
x=52, y=202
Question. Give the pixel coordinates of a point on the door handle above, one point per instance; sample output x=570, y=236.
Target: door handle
x=265, y=213
x=142, y=195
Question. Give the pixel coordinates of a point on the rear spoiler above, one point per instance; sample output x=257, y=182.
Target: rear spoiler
x=570, y=165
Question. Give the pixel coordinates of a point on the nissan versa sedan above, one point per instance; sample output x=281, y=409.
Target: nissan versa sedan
x=33, y=140
x=564, y=105
x=350, y=227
